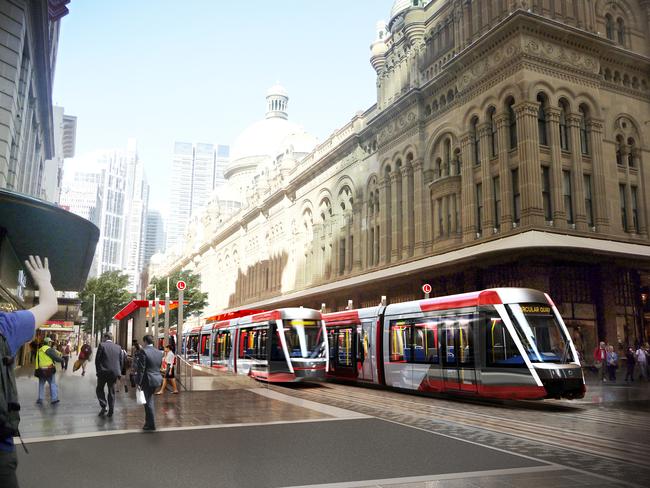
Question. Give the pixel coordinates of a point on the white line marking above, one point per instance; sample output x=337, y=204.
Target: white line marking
x=84, y=435
x=318, y=407
x=447, y=476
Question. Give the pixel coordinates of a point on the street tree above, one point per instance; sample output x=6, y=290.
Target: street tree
x=197, y=300
x=111, y=294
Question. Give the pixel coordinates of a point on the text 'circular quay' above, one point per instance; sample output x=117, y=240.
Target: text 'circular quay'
x=506, y=149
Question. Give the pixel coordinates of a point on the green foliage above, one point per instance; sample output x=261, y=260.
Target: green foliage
x=111, y=295
x=192, y=294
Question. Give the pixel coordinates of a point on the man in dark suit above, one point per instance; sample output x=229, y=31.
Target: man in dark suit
x=148, y=377
x=109, y=362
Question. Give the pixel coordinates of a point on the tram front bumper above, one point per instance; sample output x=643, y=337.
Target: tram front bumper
x=565, y=381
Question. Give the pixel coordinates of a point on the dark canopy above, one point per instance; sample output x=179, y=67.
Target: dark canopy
x=40, y=228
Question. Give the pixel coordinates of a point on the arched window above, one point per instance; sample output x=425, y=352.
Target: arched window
x=564, y=130
x=475, y=141
x=620, y=30
x=619, y=151
x=457, y=160
x=512, y=124
x=493, y=132
x=630, y=152
x=437, y=168
x=609, y=27
x=584, y=135
x=541, y=120
x=447, y=164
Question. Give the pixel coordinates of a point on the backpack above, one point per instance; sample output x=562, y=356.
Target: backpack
x=9, y=406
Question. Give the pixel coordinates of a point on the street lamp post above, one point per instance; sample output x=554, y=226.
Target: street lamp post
x=92, y=334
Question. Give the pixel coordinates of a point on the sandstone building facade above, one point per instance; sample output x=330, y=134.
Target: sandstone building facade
x=507, y=147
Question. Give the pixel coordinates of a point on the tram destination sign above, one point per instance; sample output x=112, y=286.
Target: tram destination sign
x=535, y=308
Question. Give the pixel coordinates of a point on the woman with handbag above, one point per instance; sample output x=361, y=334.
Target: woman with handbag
x=167, y=371
x=45, y=371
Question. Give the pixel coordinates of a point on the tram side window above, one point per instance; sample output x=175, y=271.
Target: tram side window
x=501, y=349
x=205, y=345
x=222, y=346
x=425, y=343
x=400, y=341
x=253, y=342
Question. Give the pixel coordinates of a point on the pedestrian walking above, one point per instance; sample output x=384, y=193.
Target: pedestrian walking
x=84, y=356
x=167, y=371
x=16, y=329
x=630, y=361
x=612, y=363
x=148, y=378
x=109, y=362
x=600, y=359
x=642, y=363
x=66, y=355
x=45, y=371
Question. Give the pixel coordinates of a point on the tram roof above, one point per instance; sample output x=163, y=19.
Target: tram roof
x=262, y=316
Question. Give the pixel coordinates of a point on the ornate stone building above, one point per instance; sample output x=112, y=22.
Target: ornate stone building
x=507, y=147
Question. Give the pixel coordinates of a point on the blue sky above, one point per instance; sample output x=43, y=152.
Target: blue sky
x=198, y=70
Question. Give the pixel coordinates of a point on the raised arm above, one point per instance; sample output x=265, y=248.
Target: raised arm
x=47, y=303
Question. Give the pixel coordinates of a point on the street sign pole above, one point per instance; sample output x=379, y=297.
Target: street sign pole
x=179, y=326
x=92, y=334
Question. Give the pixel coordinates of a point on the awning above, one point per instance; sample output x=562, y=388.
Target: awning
x=40, y=228
x=525, y=241
x=133, y=305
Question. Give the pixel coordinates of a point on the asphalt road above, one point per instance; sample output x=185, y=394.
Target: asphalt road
x=272, y=455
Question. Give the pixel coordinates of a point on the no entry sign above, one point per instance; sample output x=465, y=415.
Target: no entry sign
x=181, y=285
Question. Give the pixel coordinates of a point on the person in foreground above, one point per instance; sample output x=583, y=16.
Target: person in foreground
x=148, y=378
x=16, y=329
x=109, y=362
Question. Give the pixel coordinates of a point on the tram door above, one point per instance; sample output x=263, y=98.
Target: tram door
x=458, y=354
x=342, y=351
x=365, y=360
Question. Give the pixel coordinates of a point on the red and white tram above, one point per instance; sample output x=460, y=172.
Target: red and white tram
x=497, y=343
x=285, y=345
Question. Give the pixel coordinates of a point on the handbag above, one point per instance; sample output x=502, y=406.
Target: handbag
x=139, y=396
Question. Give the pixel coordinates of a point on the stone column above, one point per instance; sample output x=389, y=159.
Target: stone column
x=359, y=209
x=601, y=217
x=577, y=174
x=501, y=122
x=530, y=182
x=559, y=214
x=636, y=154
x=396, y=240
x=385, y=231
x=628, y=190
x=428, y=208
x=419, y=211
x=468, y=194
x=484, y=131
x=407, y=211
x=445, y=210
x=435, y=203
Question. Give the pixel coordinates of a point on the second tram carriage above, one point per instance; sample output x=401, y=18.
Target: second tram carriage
x=498, y=343
x=285, y=345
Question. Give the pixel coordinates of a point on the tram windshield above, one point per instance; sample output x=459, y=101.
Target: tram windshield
x=540, y=333
x=305, y=338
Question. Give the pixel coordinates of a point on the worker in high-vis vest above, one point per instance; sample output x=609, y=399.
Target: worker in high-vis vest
x=45, y=371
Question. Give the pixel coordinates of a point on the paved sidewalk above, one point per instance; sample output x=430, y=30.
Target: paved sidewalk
x=233, y=402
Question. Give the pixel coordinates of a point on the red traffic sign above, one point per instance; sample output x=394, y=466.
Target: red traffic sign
x=426, y=288
x=181, y=285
